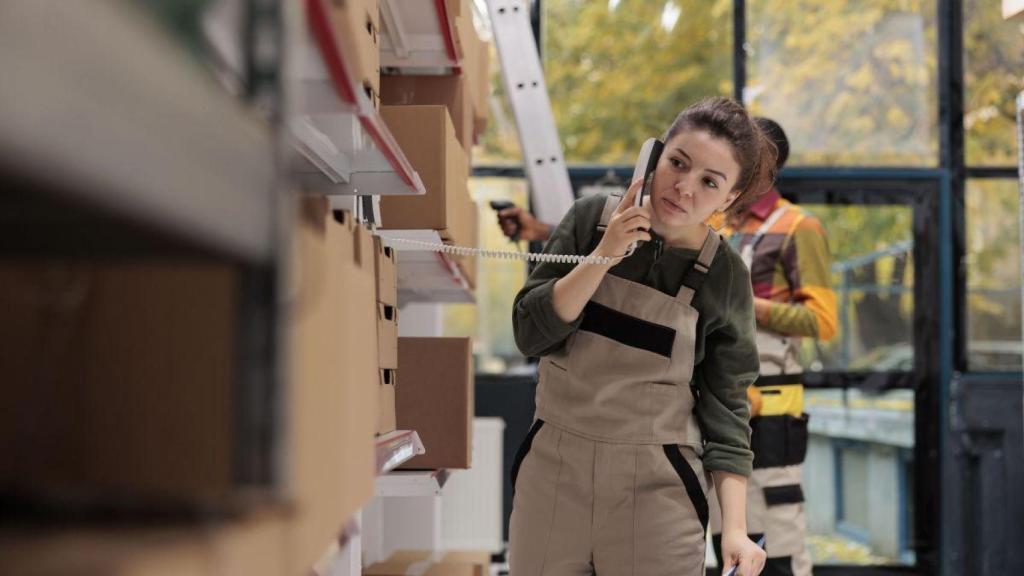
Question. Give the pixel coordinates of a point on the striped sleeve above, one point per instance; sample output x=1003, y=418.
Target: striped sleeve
x=806, y=261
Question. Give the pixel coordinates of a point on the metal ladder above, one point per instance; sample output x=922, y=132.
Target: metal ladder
x=550, y=190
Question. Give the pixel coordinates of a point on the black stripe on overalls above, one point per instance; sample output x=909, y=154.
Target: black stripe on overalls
x=690, y=482
x=628, y=330
x=779, y=380
x=693, y=279
x=524, y=449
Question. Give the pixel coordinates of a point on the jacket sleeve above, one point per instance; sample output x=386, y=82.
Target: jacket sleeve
x=538, y=329
x=730, y=365
x=806, y=264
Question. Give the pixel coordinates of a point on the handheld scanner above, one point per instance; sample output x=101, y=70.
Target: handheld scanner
x=498, y=206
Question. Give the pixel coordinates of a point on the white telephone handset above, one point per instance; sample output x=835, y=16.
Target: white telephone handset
x=650, y=152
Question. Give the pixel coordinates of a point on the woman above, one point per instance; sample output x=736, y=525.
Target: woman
x=644, y=368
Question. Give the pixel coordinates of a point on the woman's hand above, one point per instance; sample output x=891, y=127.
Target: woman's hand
x=738, y=550
x=628, y=224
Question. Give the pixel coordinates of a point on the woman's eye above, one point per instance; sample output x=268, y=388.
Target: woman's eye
x=675, y=162
x=710, y=183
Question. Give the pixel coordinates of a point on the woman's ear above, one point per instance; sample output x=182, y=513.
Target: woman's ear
x=729, y=199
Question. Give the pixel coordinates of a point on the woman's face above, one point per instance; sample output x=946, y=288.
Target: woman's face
x=694, y=177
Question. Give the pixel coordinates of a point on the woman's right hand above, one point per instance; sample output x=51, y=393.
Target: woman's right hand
x=628, y=224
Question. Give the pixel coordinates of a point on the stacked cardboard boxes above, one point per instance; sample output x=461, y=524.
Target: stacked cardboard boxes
x=357, y=29
x=387, y=334
x=427, y=137
x=141, y=356
x=453, y=92
x=255, y=546
x=119, y=381
x=476, y=68
x=333, y=395
x=436, y=120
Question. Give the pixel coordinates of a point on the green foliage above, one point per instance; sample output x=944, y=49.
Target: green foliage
x=993, y=76
x=852, y=82
x=618, y=74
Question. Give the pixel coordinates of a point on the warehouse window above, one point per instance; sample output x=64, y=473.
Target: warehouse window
x=993, y=275
x=993, y=60
x=852, y=83
x=619, y=72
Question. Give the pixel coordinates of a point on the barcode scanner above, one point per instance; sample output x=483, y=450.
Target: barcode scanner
x=498, y=206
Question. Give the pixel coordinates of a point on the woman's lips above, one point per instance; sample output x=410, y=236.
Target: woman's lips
x=672, y=206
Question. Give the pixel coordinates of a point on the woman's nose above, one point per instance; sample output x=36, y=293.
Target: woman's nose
x=683, y=188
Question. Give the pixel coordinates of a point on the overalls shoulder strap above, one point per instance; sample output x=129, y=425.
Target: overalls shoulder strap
x=747, y=250
x=698, y=273
x=609, y=208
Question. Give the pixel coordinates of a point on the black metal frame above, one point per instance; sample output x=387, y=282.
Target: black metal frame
x=922, y=190
x=940, y=344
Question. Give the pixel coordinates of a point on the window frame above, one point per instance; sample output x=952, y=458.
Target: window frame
x=937, y=359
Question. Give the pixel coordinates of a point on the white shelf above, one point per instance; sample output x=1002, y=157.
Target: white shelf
x=419, y=235
x=106, y=113
x=396, y=448
x=425, y=275
x=412, y=483
x=418, y=36
x=343, y=146
x=343, y=557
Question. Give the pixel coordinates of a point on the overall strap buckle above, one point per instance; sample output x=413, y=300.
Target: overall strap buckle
x=698, y=273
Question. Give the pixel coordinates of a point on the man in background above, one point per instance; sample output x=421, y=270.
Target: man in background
x=787, y=252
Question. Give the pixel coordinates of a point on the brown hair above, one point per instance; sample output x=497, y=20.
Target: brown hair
x=752, y=149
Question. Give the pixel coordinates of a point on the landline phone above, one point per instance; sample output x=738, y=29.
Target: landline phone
x=646, y=162
x=650, y=152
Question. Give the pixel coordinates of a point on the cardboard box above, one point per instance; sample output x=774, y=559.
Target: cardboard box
x=250, y=547
x=421, y=569
x=425, y=135
x=119, y=380
x=468, y=264
x=457, y=8
x=373, y=94
x=449, y=563
x=452, y=92
x=476, y=69
x=333, y=392
x=436, y=399
x=387, y=278
x=482, y=94
x=357, y=30
x=386, y=421
x=387, y=336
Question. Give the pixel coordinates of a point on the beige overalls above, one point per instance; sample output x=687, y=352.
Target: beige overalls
x=775, y=500
x=609, y=479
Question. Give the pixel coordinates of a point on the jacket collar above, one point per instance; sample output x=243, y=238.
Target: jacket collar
x=765, y=205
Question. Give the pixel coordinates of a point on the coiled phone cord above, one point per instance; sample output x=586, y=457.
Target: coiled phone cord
x=506, y=254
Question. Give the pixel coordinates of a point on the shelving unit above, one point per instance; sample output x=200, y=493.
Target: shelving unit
x=418, y=36
x=396, y=448
x=344, y=557
x=412, y=483
x=117, y=140
x=342, y=144
x=120, y=142
x=425, y=275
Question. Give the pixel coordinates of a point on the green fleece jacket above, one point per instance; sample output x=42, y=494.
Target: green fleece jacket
x=725, y=356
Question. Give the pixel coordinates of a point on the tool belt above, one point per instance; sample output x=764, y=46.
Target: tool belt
x=779, y=432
